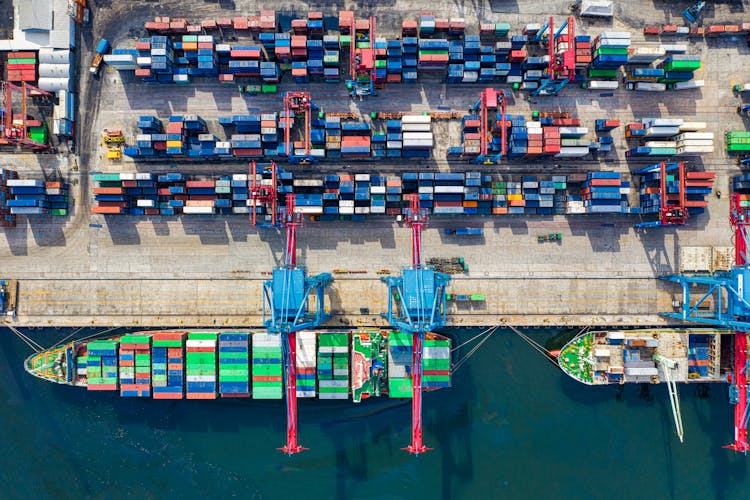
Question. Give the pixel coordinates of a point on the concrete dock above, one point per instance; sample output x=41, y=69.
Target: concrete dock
x=208, y=271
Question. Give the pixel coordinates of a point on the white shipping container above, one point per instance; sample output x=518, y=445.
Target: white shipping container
x=694, y=150
x=534, y=125
x=197, y=210
x=23, y=183
x=661, y=144
x=127, y=176
x=662, y=122
x=143, y=61
x=377, y=210
x=308, y=210
x=205, y=38
x=362, y=177
x=613, y=42
x=240, y=210
x=143, y=176
x=695, y=135
x=574, y=130
x=692, y=126
x=377, y=189
x=418, y=143
x=572, y=152
x=346, y=210
x=415, y=119
x=679, y=48
x=346, y=203
x=362, y=210
x=223, y=47
x=603, y=85
x=529, y=85
x=690, y=84
x=117, y=59
x=426, y=189
x=143, y=137
x=695, y=142
x=661, y=131
x=514, y=79
x=200, y=378
x=407, y=136
x=415, y=127
x=650, y=87
x=318, y=153
x=227, y=145
x=533, y=27
x=235, y=177
x=641, y=371
x=449, y=189
x=200, y=343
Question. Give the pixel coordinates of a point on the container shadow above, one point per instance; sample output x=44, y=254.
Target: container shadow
x=17, y=238
x=123, y=229
x=210, y=229
x=47, y=230
x=603, y=236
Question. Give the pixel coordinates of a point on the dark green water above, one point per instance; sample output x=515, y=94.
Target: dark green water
x=511, y=427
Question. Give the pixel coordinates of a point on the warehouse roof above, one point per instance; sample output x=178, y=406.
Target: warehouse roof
x=35, y=15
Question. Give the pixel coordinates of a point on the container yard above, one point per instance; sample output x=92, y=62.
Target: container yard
x=255, y=181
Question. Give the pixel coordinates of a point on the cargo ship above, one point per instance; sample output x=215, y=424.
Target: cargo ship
x=633, y=356
x=181, y=364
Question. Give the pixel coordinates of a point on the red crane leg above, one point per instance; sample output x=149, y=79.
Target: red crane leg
x=292, y=446
x=740, y=379
x=417, y=446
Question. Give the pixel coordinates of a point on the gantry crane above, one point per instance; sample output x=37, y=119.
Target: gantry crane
x=362, y=74
x=296, y=102
x=416, y=304
x=287, y=296
x=673, y=207
x=16, y=131
x=561, y=68
x=264, y=192
x=730, y=291
x=490, y=99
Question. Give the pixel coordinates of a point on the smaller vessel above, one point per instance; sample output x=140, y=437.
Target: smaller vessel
x=642, y=356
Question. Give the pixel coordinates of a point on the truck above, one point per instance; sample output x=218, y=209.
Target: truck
x=465, y=231
x=101, y=48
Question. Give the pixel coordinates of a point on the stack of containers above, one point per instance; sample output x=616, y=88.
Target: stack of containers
x=362, y=194
x=333, y=365
x=31, y=197
x=394, y=139
x=583, y=51
x=605, y=192
x=433, y=55
x=21, y=66
x=410, y=47
x=267, y=367
x=101, y=365
x=572, y=144
x=694, y=142
x=738, y=141
x=657, y=132
x=234, y=367
x=518, y=136
x=306, y=364
x=355, y=140
x=7, y=219
x=283, y=47
x=394, y=55
x=679, y=68
x=609, y=52
x=448, y=193
x=333, y=137
x=393, y=200
x=135, y=365
x=331, y=52
x=535, y=136
x=377, y=194
x=167, y=364
x=417, y=140
x=645, y=55
x=426, y=24
x=436, y=361
x=201, y=365
x=698, y=356
x=400, y=347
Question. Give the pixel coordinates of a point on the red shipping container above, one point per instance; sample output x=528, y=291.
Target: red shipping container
x=167, y=395
x=102, y=387
x=106, y=210
x=240, y=23
x=101, y=190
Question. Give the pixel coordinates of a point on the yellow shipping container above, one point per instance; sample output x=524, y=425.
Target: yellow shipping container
x=174, y=144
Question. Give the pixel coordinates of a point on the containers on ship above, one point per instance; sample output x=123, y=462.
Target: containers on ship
x=135, y=365
x=200, y=355
x=333, y=365
x=306, y=364
x=267, y=366
x=234, y=365
x=400, y=347
x=436, y=363
x=101, y=365
x=168, y=364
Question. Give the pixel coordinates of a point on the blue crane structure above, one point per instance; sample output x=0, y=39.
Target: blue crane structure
x=730, y=292
x=416, y=304
x=286, y=296
x=561, y=51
